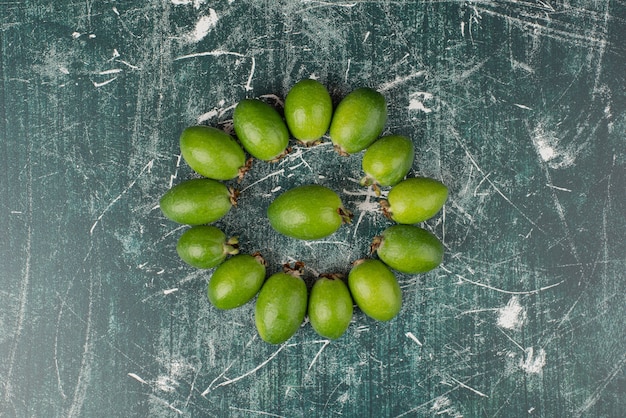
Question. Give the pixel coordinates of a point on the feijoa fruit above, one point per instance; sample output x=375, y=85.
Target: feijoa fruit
x=205, y=246
x=387, y=161
x=260, y=129
x=375, y=289
x=212, y=153
x=358, y=120
x=415, y=200
x=236, y=281
x=330, y=306
x=280, y=307
x=307, y=212
x=409, y=249
x=197, y=201
x=308, y=111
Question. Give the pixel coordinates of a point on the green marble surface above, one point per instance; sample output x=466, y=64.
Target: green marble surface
x=518, y=106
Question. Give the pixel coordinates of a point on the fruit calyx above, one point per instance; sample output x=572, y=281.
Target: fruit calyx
x=332, y=276
x=341, y=151
x=376, y=243
x=258, y=257
x=233, y=195
x=244, y=169
x=384, y=204
x=281, y=155
x=231, y=247
x=346, y=215
x=310, y=144
x=296, y=271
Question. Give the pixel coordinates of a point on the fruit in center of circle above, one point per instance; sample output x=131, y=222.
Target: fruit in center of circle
x=307, y=212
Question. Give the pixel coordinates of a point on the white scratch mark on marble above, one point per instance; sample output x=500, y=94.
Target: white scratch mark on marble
x=347, y=71
x=521, y=106
x=169, y=291
x=511, y=316
x=412, y=336
x=204, y=25
x=269, y=414
x=137, y=378
x=104, y=83
x=533, y=364
x=417, y=99
x=248, y=86
x=548, y=146
x=325, y=343
x=463, y=385
x=196, y=3
x=275, y=173
x=595, y=396
x=214, y=53
x=508, y=292
x=145, y=168
x=248, y=373
x=111, y=71
x=399, y=80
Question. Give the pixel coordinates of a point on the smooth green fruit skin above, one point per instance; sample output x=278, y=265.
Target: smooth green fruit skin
x=211, y=152
x=236, y=281
x=330, y=307
x=306, y=212
x=260, y=129
x=308, y=110
x=388, y=160
x=280, y=307
x=375, y=289
x=196, y=202
x=410, y=249
x=358, y=120
x=416, y=199
x=202, y=246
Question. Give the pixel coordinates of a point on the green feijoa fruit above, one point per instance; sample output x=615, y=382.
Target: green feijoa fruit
x=387, y=161
x=280, y=307
x=205, y=246
x=197, y=201
x=409, y=249
x=330, y=307
x=307, y=212
x=212, y=153
x=236, y=281
x=308, y=111
x=358, y=120
x=415, y=200
x=375, y=289
x=260, y=129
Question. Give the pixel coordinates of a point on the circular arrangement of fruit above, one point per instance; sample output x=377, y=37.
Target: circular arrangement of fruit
x=306, y=212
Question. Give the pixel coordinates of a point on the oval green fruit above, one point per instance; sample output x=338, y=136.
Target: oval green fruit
x=375, y=289
x=308, y=110
x=330, y=307
x=205, y=246
x=388, y=160
x=196, y=201
x=260, y=129
x=409, y=249
x=307, y=212
x=358, y=120
x=236, y=281
x=415, y=200
x=280, y=307
x=212, y=153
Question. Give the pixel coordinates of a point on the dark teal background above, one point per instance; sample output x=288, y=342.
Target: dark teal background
x=518, y=106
